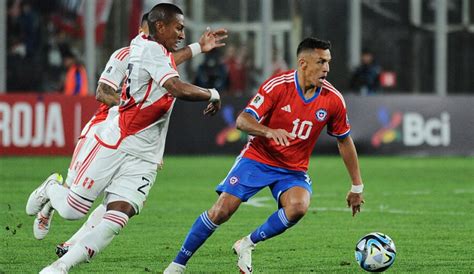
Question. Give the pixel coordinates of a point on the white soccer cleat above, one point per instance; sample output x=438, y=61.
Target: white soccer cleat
x=174, y=268
x=38, y=198
x=41, y=225
x=57, y=267
x=243, y=248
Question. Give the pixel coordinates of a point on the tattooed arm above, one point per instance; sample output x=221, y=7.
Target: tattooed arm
x=107, y=95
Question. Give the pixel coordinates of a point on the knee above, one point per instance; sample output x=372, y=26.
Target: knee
x=70, y=213
x=295, y=211
x=115, y=220
x=219, y=214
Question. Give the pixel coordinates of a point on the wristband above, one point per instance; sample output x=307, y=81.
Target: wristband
x=195, y=49
x=357, y=188
x=214, y=95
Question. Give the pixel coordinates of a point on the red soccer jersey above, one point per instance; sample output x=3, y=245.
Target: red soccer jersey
x=280, y=103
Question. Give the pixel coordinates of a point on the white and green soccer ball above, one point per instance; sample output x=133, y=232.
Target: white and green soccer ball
x=375, y=252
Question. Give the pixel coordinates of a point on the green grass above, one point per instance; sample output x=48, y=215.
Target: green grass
x=425, y=204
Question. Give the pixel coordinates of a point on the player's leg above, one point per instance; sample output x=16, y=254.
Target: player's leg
x=93, y=220
x=125, y=197
x=92, y=178
x=97, y=239
x=83, y=147
x=43, y=219
x=232, y=193
x=293, y=193
x=294, y=204
x=203, y=228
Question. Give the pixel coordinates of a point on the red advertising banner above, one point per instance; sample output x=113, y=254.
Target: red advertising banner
x=42, y=124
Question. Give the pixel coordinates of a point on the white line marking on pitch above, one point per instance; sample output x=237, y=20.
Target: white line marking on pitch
x=261, y=202
x=463, y=191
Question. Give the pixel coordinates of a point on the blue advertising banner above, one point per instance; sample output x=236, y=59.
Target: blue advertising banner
x=380, y=125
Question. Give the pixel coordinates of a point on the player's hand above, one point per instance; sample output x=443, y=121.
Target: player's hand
x=354, y=200
x=280, y=136
x=212, y=108
x=160, y=165
x=211, y=39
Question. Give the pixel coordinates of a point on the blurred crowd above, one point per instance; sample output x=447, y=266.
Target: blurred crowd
x=234, y=72
x=43, y=55
x=39, y=52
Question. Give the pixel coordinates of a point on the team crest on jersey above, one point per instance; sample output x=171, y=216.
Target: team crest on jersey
x=233, y=180
x=321, y=114
x=257, y=101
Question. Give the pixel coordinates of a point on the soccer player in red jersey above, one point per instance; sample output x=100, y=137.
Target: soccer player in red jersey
x=284, y=119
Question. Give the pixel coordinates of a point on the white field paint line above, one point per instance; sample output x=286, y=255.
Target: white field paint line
x=389, y=211
x=409, y=193
x=463, y=191
x=261, y=202
x=258, y=202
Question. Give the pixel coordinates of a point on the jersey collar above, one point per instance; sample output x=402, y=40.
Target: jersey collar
x=300, y=90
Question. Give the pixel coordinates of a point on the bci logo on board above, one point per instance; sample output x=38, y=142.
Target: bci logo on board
x=18, y=120
x=412, y=129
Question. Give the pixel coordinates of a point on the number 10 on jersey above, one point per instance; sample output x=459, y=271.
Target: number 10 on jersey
x=304, y=129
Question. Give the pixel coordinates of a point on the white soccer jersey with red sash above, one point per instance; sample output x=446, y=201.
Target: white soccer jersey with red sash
x=145, y=107
x=113, y=75
x=280, y=103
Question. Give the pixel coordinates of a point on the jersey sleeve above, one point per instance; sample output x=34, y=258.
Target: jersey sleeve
x=160, y=64
x=115, y=68
x=260, y=104
x=338, y=126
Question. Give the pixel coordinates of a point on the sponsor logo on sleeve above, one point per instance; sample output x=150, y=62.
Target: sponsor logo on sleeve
x=257, y=101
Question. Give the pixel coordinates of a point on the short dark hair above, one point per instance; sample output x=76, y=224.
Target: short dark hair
x=144, y=19
x=164, y=12
x=312, y=43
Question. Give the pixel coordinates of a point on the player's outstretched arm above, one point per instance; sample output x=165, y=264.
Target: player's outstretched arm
x=349, y=155
x=189, y=92
x=209, y=40
x=107, y=95
x=249, y=124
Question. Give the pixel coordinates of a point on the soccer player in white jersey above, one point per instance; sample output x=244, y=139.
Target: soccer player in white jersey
x=107, y=94
x=123, y=162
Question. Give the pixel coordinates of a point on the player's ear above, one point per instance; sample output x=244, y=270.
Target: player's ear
x=302, y=63
x=160, y=26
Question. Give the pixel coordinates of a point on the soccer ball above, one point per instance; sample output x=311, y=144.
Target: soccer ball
x=375, y=252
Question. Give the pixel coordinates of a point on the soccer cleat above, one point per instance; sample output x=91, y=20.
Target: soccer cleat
x=38, y=198
x=243, y=248
x=174, y=268
x=62, y=249
x=57, y=267
x=41, y=224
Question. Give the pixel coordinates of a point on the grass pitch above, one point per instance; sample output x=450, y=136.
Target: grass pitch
x=425, y=204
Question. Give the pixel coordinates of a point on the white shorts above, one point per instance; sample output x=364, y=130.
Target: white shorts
x=82, y=149
x=112, y=171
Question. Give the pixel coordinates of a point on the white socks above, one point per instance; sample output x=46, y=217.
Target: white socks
x=69, y=205
x=96, y=239
x=94, y=219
